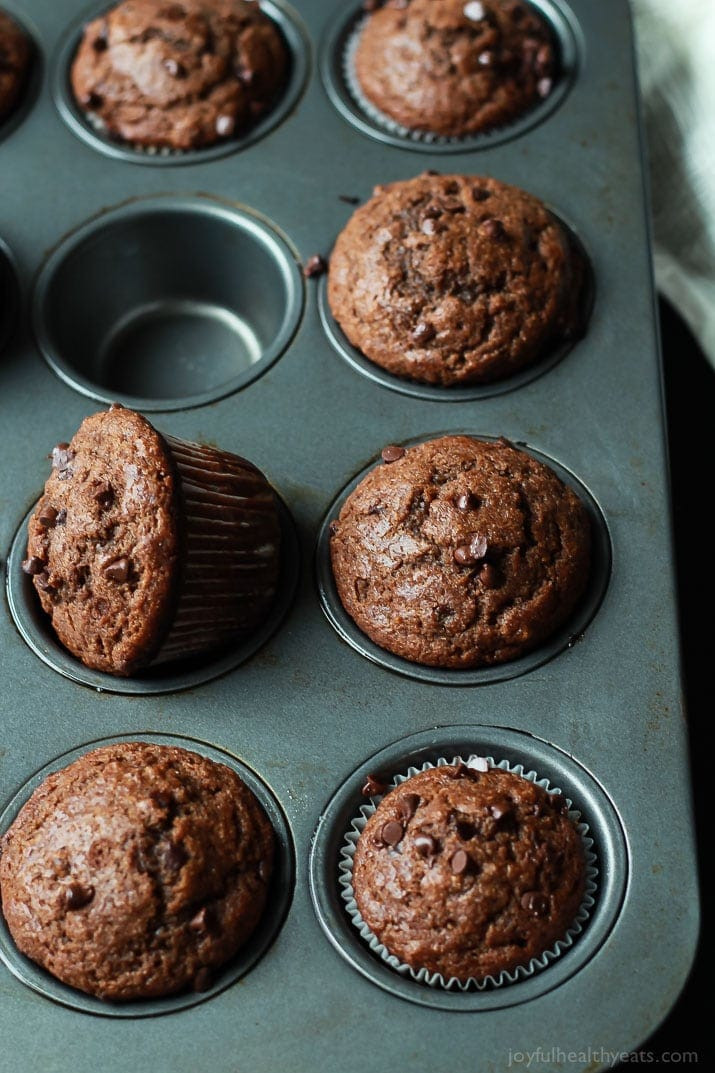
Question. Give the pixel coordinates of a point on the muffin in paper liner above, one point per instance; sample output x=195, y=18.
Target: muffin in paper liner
x=436, y=979
x=146, y=549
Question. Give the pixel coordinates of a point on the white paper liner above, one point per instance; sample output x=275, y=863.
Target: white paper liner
x=436, y=979
x=98, y=124
x=411, y=133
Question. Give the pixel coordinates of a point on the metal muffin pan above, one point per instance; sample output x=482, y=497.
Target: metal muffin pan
x=307, y=709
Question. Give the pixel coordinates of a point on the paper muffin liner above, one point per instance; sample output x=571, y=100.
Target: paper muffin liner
x=100, y=127
x=391, y=126
x=230, y=549
x=436, y=979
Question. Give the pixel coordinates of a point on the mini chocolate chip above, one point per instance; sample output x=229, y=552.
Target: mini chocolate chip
x=543, y=87
x=175, y=69
x=479, y=193
x=452, y=205
x=117, y=571
x=478, y=546
x=104, y=496
x=373, y=786
x=466, y=501
x=458, y=771
x=47, y=517
x=43, y=582
x=465, y=830
x=488, y=576
x=424, y=332
x=77, y=896
x=471, y=553
x=100, y=43
x=33, y=566
x=478, y=763
x=162, y=798
x=225, y=126
x=408, y=806
x=61, y=517
x=392, y=453
x=535, y=903
x=501, y=809
x=202, y=980
x=315, y=266
x=431, y=171
x=246, y=75
x=93, y=100
x=425, y=845
x=391, y=833
x=428, y=226
x=462, y=555
x=361, y=586
x=171, y=855
x=203, y=921
x=474, y=10
x=349, y=199
x=333, y=528
x=486, y=59
x=459, y=862
x=493, y=229
x=558, y=801
x=61, y=456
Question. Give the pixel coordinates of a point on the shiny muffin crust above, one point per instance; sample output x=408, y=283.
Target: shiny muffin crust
x=469, y=873
x=136, y=871
x=179, y=75
x=459, y=553
x=454, y=67
x=456, y=279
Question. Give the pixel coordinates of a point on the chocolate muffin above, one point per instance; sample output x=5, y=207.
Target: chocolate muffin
x=455, y=67
x=459, y=552
x=136, y=871
x=469, y=873
x=179, y=75
x=145, y=549
x=15, y=56
x=454, y=279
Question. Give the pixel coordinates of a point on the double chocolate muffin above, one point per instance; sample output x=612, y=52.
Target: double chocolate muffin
x=15, y=56
x=179, y=75
x=455, y=279
x=145, y=549
x=454, y=67
x=459, y=553
x=469, y=872
x=136, y=871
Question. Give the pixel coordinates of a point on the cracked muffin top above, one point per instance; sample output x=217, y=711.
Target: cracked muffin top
x=469, y=872
x=454, y=279
x=136, y=871
x=15, y=55
x=458, y=553
x=179, y=75
x=454, y=67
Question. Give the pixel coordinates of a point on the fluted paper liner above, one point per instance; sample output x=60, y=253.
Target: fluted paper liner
x=436, y=979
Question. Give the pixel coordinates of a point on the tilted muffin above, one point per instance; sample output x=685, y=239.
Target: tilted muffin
x=179, y=75
x=455, y=67
x=145, y=549
x=469, y=873
x=15, y=56
x=136, y=871
x=454, y=279
x=459, y=553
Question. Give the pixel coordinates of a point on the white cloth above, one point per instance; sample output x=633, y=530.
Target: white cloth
x=676, y=56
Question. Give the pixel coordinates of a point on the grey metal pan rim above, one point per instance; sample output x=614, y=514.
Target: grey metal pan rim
x=34, y=628
x=568, y=635
x=517, y=747
x=296, y=38
x=132, y=293
x=9, y=295
x=279, y=899
x=332, y=49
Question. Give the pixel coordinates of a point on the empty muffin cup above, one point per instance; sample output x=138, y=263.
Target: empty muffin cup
x=166, y=303
x=8, y=295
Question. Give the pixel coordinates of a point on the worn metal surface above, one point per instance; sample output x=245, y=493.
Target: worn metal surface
x=307, y=709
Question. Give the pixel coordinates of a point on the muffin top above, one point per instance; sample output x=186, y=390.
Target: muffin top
x=469, y=873
x=15, y=53
x=103, y=542
x=458, y=553
x=454, y=279
x=179, y=75
x=136, y=871
x=455, y=67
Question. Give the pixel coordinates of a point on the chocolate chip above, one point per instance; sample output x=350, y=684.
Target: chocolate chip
x=43, y=582
x=100, y=43
x=47, y=517
x=117, y=571
x=425, y=845
x=361, y=587
x=62, y=455
x=474, y=10
x=428, y=226
x=535, y=903
x=479, y=193
x=452, y=205
x=61, y=517
x=424, y=332
x=104, y=496
x=349, y=199
x=478, y=763
x=392, y=453
x=202, y=980
x=543, y=87
x=488, y=576
x=459, y=862
x=391, y=833
x=93, y=101
x=77, y=895
x=466, y=501
x=162, y=798
x=225, y=126
x=486, y=59
x=246, y=75
x=333, y=528
x=175, y=69
x=33, y=566
x=473, y=552
x=493, y=229
x=171, y=856
x=204, y=921
x=373, y=786
x=559, y=802
x=315, y=266
x=408, y=806
x=465, y=830
x=458, y=771
x=501, y=809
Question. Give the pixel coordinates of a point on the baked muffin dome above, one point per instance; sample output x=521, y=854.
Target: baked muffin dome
x=455, y=67
x=145, y=549
x=469, y=873
x=179, y=75
x=15, y=56
x=455, y=279
x=460, y=553
x=136, y=871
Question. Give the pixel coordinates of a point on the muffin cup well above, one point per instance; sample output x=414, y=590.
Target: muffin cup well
x=435, y=979
x=9, y=295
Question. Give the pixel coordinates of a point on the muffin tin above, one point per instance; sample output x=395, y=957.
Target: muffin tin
x=219, y=237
